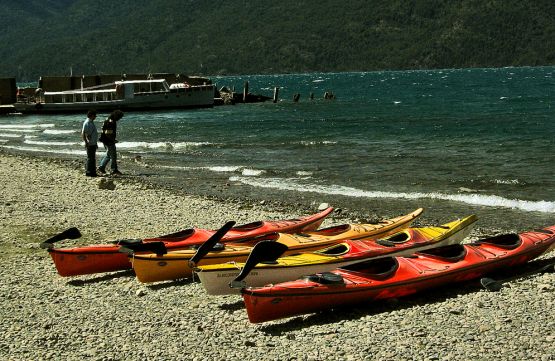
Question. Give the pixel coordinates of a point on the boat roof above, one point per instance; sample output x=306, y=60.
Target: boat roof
x=102, y=88
x=141, y=81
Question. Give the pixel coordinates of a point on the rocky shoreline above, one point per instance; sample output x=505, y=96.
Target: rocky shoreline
x=114, y=317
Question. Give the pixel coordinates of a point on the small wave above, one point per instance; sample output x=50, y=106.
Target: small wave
x=304, y=173
x=225, y=168
x=252, y=172
x=506, y=181
x=25, y=126
x=316, y=142
x=161, y=145
x=10, y=135
x=475, y=199
x=40, y=142
x=46, y=150
x=16, y=130
x=59, y=131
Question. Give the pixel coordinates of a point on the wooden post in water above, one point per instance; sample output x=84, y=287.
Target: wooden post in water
x=245, y=91
x=276, y=94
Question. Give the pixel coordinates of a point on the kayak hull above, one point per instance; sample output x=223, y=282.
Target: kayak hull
x=216, y=278
x=75, y=261
x=405, y=276
x=175, y=265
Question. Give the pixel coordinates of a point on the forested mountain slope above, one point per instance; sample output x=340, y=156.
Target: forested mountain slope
x=211, y=37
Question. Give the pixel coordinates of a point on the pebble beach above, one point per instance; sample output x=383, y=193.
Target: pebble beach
x=114, y=317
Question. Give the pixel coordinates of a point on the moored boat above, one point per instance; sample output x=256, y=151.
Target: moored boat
x=395, y=276
x=73, y=261
x=126, y=95
x=217, y=279
x=172, y=265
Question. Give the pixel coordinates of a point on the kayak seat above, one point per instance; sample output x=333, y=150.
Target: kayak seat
x=336, y=250
x=248, y=226
x=180, y=234
x=505, y=241
x=325, y=278
x=127, y=242
x=391, y=241
x=379, y=269
x=451, y=253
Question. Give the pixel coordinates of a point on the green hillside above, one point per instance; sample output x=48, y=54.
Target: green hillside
x=245, y=37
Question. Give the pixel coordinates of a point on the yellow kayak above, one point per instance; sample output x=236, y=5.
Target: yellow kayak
x=216, y=278
x=152, y=267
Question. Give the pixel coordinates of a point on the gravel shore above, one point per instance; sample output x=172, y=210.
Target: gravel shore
x=114, y=317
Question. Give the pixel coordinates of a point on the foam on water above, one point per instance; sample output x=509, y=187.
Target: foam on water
x=252, y=172
x=161, y=146
x=51, y=143
x=475, y=199
x=59, y=131
x=20, y=130
x=225, y=169
x=222, y=169
x=10, y=135
x=26, y=126
x=47, y=150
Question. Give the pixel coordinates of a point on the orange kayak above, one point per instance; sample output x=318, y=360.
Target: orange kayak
x=394, y=277
x=73, y=261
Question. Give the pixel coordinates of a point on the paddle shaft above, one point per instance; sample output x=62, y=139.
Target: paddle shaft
x=495, y=285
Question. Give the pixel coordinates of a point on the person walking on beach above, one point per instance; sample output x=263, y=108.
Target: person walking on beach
x=90, y=136
x=108, y=137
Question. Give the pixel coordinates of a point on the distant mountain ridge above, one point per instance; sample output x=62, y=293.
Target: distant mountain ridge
x=209, y=37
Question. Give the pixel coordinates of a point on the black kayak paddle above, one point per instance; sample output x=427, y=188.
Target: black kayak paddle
x=155, y=247
x=209, y=244
x=495, y=285
x=264, y=251
x=70, y=233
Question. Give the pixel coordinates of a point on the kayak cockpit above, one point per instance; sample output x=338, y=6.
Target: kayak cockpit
x=330, y=231
x=505, y=241
x=186, y=233
x=248, y=226
x=397, y=238
x=380, y=268
x=451, y=253
x=335, y=250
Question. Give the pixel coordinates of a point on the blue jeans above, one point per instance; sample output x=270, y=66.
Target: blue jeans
x=111, y=155
x=90, y=166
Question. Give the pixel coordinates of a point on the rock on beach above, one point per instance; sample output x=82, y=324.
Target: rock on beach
x=114, y=317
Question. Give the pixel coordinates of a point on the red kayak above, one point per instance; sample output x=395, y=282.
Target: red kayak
x=107, y=257
x=394, y=277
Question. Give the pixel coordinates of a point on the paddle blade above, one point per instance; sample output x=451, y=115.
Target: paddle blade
x=490, y=284
x=264, y=251
x=70, y=233
x=155, y=247
x=209, y=244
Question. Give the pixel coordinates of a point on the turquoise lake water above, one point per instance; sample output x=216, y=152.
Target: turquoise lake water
x=479, y=140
